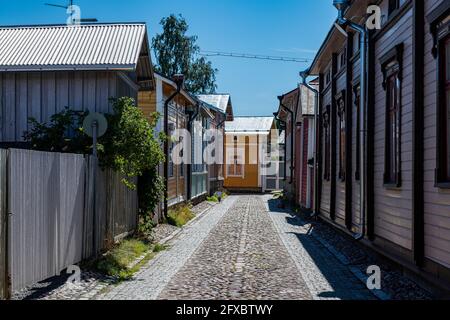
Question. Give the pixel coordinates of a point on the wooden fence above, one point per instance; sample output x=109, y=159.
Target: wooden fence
x=58, y=217
x=3, y=222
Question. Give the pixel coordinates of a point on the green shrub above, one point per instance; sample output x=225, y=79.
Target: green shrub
x=130, y=147
x=159, y=248
x=116, y=263
x=180, y=216
x=214, y=199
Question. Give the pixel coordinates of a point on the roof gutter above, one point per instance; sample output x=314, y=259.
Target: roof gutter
x=341, y=6
x=285, y=149
x=304, y=75
x=281, y=98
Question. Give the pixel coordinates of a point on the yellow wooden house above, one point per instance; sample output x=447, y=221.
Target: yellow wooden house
x=246, y=144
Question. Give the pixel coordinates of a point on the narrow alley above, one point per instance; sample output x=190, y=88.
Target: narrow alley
x=244, y=249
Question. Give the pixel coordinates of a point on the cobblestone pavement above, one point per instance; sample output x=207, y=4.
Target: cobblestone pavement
x=245, y=248
x=242, y=258
x=153, y=278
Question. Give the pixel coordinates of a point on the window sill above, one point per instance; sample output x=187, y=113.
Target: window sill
x=392, y=186
x=443, y=185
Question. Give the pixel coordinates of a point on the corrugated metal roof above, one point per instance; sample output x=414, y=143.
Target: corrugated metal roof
x=63, y=47
x=249, y=124
x=219, y=101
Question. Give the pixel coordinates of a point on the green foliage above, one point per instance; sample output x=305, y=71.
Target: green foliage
x=180, y=215
x=202, y=77
x=159, y=248
x=130, y=147
x=150, y=188
x=213, y=198
x=117, y=263
x=64, y=133
x=217, y=197
x=279, y=195
x=176, y=52
x=146, y=224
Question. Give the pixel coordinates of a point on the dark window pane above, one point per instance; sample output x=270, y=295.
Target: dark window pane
x=358, y=133
x=393, y=5
x=448, y=132
x=393, y=130
x=447, y=60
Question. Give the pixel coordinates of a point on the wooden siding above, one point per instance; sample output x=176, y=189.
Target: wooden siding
x=325, y=199
x=251, y=179
x=147, y=102
x=356, y=203
x=393, y=207
x=341, y=84
x=3, y=221
x=437, y=201
x=304, y=162
x=42, y=94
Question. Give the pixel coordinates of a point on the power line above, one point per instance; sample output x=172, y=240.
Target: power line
x=253, y=56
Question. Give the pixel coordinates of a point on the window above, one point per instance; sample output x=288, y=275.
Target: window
x=392, y=66
x=356, y=43
x=340, y=102
x=235, y=167
x=439, y=20
x=393, y=5
x=357, y=95
x=393, y=130
x=342, y=59
x=327, y=144
x=444, y=110
x=327, y=77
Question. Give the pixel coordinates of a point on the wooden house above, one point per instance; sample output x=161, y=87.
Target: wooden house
x=179, y=110
x=200, y=169
x=45, y=69
x=406, y=210
x=297, y=112
x=246, y=139
x=221, y=107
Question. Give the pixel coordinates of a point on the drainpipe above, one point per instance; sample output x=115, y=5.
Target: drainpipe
x=192, y=117
x=285, y=149
x=179, y=80
x=341, y=6
x=281, y=98
x=304, y=75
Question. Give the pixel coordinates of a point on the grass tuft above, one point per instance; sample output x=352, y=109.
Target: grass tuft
x=214, y=199
x=180, y=216
x=116, y=263
x=159, y=248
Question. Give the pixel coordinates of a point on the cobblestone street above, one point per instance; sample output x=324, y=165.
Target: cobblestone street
x=242, y=249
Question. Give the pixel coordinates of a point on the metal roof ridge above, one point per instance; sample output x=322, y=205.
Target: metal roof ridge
x=37, y=26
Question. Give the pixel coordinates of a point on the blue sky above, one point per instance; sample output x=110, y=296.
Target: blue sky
x=292, y=28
